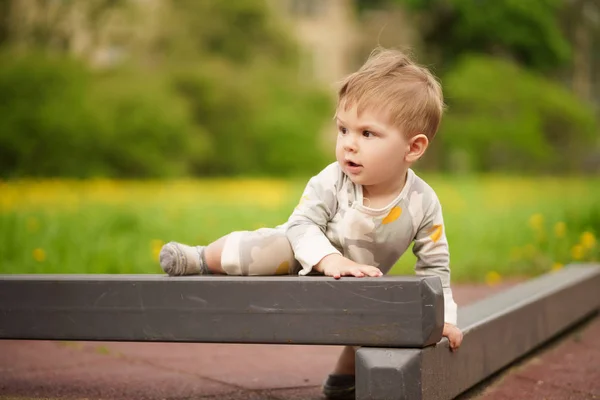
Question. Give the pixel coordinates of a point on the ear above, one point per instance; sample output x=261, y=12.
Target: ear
x=416, y=147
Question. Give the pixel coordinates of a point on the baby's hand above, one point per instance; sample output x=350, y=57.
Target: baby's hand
x=357, y=270
x=337, y=266
x=454, y=335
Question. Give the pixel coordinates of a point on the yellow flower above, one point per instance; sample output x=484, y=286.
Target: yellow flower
x=560, y=229
x=156, y=244
x=32, y=224
x=493, y=278
x=557, y=266
x=39, y=255
x=588, y=240
x=536, y=221
x=577, y=252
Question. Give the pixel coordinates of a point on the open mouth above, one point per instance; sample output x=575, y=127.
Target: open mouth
x=353, y=164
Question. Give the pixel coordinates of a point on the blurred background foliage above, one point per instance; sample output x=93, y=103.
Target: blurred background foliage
x=211, y=87
x=102, y=100
x=151, y=88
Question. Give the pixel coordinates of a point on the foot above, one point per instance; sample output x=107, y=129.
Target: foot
x=178, y=259
x=340, y=387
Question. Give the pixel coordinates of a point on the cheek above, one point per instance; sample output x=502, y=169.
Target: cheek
x=385, y=149
x=339, y=150
x=387, y=156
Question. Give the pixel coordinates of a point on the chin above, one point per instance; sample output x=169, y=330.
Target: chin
x=359, y=180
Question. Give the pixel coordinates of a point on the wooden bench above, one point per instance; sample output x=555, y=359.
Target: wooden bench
x=497, y=331
x=386, y=311
x=397, y=320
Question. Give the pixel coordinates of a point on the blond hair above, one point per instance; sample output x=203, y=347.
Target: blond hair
x=391, y=82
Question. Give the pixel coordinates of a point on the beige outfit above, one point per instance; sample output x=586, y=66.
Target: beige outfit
x=331, y=218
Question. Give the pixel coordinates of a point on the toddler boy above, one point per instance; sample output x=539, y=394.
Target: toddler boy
x=360, y=213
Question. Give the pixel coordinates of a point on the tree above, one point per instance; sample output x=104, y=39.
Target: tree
x=526, y=31
x=203, y=87
x=505, y=117
x=581, y=21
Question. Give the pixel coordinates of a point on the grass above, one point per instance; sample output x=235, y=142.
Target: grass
x=497, y=226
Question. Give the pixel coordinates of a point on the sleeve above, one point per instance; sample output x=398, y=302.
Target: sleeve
x=432, y=252
x=307, y=225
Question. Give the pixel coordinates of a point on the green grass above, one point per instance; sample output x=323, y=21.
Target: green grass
x=118, y=227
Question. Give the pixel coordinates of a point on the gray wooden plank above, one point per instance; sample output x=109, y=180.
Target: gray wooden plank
x=386, y=311
x=497, y=331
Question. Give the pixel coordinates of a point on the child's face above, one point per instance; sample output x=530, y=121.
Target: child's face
x=370, y=150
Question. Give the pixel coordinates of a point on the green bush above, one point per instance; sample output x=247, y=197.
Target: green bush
x=58, y=119
x=258, y=120
x=43, y=117
x=213, y=92
x=148, y=130
x=502, y=117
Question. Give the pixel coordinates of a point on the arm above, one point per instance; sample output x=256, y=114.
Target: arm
x=431, y=250
x=307, y=224
x=433, y=258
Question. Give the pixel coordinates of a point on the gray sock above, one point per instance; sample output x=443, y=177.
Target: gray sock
x=202, y=257
x=178, y=259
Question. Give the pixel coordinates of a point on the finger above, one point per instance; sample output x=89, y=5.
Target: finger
x=375, y=272
x=343, y=273
x=357, y=272
x=452, y=344
x=334, y=274
x=456, y=342
x=370, y=270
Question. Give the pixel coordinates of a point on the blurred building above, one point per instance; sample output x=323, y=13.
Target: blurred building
x=328, y=33
x=336, y=40
x=95, y=31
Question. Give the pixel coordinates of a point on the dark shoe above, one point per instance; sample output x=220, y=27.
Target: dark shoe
x=340, y=387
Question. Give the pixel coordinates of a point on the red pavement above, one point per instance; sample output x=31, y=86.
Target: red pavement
x=153, y=371
x=568, y=370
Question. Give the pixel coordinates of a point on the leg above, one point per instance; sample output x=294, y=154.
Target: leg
x=265, y=251
x=341, y=384
x=180, y=259
x=345, y=363
x=262, y=252
x=213, y=255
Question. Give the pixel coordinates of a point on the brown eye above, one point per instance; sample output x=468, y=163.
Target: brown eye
x=342, y=130
x=368, y=134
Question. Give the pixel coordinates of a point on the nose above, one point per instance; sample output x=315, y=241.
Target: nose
x=349, y=143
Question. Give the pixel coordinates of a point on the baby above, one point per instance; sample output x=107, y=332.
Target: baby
x=360, y=213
